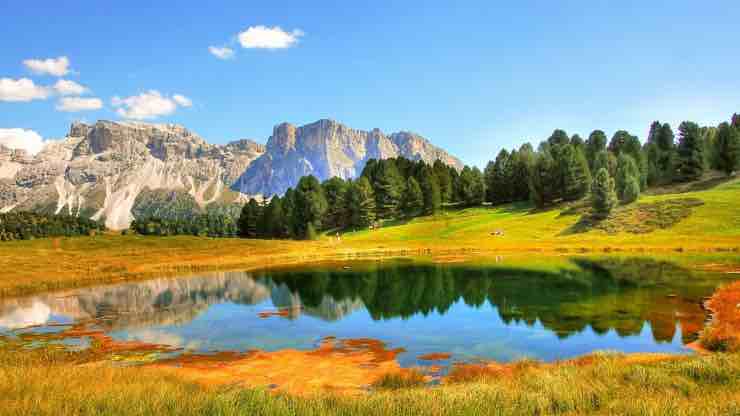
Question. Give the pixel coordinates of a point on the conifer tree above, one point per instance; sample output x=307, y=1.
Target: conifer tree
x=431, y=192
x=521, y=165
x=728, y=148
x=574, y=173
x=542, y=182
x=595, y=144
x=631, y=191
x=603, y=194
x=627, y=171
x=274, y=220
x=497, y=175
x=249, y=219
x=310, y=205
x=690, y=152
x=289, y=208
x=388, y=186
x=443, y=174
x=479, y=187
x=335, y=190
x=360, y=202
x=413, y=198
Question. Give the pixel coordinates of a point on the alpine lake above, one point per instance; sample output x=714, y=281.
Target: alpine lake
x=416, y=311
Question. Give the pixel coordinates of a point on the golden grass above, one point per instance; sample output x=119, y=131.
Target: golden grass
x=43, y=382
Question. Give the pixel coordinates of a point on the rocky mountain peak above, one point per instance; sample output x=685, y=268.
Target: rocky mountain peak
x=327, y=148
x=283, y=138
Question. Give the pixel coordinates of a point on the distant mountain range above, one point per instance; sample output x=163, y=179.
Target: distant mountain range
x=118, y=171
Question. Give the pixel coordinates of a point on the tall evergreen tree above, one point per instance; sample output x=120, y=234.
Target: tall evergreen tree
x=631, y=191
x=627, y=171
x=690, y=152
x=444, y=178
x=603, y=194
x=521, y=166
x=413, y=201
x=542, y=180
x=595, y=144
x=577, y=141
x=249, y=219
x=667, y=158
x=360, y=202
x=273, y=218
x=497, y=176
x=728, y=148
x=479, y=187
x=472, y=186
x=573, y=172
x=289, y=214
x=310, y=205
x=623, y=142
x=431, y=192
x=335, y=190
x=558, y=138
x=388, y=186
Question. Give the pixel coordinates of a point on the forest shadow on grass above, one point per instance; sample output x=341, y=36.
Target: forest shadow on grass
x=639, y=218
x=709, y=181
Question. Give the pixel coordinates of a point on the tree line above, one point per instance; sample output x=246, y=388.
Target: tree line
x=24, y=225
x=204, y=225
x=562, y=168
x=388, y=189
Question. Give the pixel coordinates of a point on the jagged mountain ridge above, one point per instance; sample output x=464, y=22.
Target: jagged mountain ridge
x=114, y=171
x=326, y=149
x=100, y=170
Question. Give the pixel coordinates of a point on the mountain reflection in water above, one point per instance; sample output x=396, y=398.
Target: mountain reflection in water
x=495, y=312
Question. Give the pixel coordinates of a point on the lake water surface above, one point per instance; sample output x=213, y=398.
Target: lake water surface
x=493, y=312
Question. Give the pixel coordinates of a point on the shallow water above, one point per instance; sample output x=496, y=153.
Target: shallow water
x=496, y=312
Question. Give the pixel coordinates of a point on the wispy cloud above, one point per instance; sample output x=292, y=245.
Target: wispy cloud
x=182, y=100
x=75, y=104
x=22, y=90
x=221, y=53
x=263, y=37
x=66, y=87
x=148, y=105
x=51, y=66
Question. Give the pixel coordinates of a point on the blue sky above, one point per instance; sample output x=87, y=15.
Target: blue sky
x=472, y=77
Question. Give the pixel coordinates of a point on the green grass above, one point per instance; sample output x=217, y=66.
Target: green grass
x=711, y=220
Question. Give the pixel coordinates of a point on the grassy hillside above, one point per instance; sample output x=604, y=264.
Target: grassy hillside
x=713, y=222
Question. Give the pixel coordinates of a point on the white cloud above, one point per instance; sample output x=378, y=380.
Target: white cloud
x=262, y=37
x=27, y=140
x=182, y=100
x=149, y=105
x=74, y=104
x=66, y=87
x=22, y=89
x=221, y=53
x=57, y=67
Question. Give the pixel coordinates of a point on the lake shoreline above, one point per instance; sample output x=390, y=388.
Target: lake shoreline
x=56, y=264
